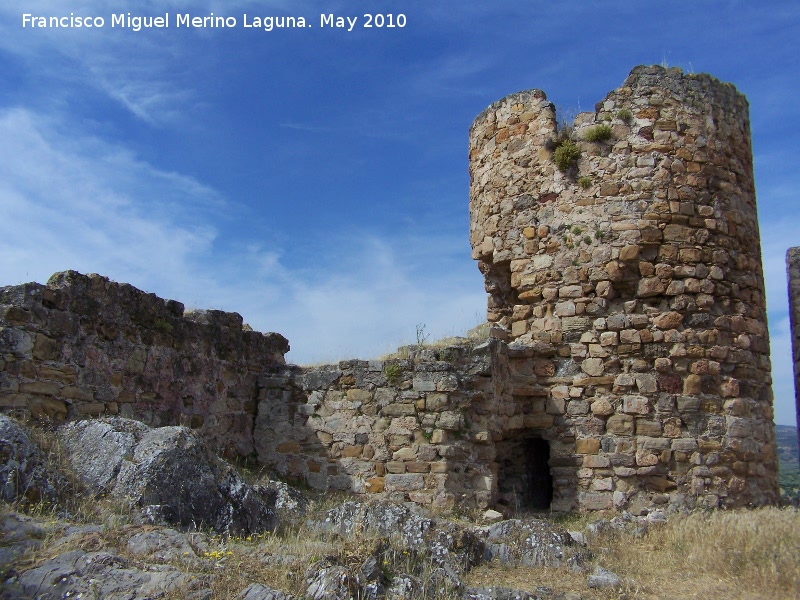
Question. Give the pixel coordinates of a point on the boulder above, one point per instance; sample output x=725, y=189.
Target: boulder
x=529, y=542
x=24, y=475
x=329, y=581
x=168, y=473
x=256, y=591
x=449, y=546
x=77, y=574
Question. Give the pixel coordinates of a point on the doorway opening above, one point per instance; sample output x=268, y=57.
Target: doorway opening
x=524, y=481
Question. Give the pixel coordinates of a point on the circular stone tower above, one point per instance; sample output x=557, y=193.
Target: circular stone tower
x=629, y=243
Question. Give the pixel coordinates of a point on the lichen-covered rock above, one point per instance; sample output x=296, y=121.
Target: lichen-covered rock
x=329, y=581
x=527, y=542
x=170, y=474
x=77, y=574
x=404, y=587
x=98, y=449
x=24, y=476
x=256, y=591
x=452, y=547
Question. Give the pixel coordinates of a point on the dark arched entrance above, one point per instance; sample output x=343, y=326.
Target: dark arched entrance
x=539, y=492
x=524, y=480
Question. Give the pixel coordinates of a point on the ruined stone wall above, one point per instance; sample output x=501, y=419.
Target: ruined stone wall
x=416, y=428
x=641, y=264
x=793, y=275
x=85, y=346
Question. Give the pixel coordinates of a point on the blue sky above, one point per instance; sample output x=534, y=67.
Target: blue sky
x=316, y=180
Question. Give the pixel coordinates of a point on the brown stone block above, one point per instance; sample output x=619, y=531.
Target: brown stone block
x=669, y=382
x=692, y=385
x=620, y=425
x=125, y=396
x=357, y=395
x=417, y=467
x=539, y=421
x=65, y=375
x=352, y=451
x=14, y=315
x=290, y=447
x=44, y=407
x=648, y=428
x=90, y=408
x=10, y=400
x=375, y=485
x=43, y=388
x=46, y=348
x=587, y=446
x=75, y=393
x=395, y=466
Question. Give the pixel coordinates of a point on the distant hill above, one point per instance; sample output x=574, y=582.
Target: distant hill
x=786, y=437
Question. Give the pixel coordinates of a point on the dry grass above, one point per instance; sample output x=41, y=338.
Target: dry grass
x=736, y=555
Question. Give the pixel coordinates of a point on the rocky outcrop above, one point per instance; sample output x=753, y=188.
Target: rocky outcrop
x=24, y=475
x=168, y=473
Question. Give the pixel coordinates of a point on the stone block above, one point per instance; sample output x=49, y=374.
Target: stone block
x=398, y=410
x=595, y=500
x=352, y=451
x=42, y=388
x=450, y=420
x=75, y=393
x=692, y=384
x=620, y=425
x=90, y=408
x=424, y=383
x=290, y=447
x=357, y=395
x=602, y=407
x=595, y=461
x=587, y=446
x=648, y=428
x=46, y=348
x=404, y=483
x=593, y=367
x=375, y=485
x=11, y=400
x=637, y=405
x=417, y=467
x=538, y=421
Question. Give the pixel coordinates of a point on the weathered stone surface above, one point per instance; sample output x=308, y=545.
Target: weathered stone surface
x=257, y=591
x=529, y=542
x=105, y=575
x=169, y=474
x=24, y=475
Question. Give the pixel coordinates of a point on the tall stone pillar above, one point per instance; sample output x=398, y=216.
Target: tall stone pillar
x=793, y=273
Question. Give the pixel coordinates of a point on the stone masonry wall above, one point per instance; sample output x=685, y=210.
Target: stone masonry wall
x=419, y=428
x=793, y=274
x=83, y=346
x=641, y=265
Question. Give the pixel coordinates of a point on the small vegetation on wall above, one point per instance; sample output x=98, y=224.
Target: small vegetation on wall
x=566, y=154
x=600, y=133
x=392, y=373
x=625, y=116
x=585, y=182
